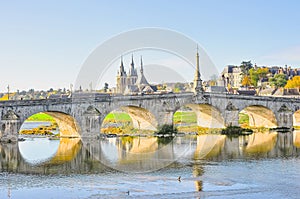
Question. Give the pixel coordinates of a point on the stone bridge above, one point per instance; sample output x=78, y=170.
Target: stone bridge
x=82, y=116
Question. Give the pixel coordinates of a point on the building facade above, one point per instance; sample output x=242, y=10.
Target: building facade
x=232, y=76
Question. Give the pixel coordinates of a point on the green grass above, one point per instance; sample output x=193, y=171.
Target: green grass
x=118, y=117
x=243, y=119
x=41, y=117
x=184, y=117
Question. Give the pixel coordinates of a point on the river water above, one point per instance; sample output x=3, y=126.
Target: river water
x=261, y=165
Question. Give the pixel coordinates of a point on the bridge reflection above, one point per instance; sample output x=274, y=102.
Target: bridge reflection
x=67, y=150
x=296, y=138
x=260, y=142
x=209, y=145
x=141, y=154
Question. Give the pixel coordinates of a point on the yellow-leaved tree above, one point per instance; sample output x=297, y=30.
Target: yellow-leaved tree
x=293, y=83
x=246, y=81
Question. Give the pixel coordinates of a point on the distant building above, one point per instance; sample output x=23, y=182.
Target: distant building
x=231, y=76
x=288, y=71
x=133, y=83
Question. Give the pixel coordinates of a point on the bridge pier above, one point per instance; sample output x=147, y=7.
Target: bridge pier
x=165, y=117
x=284, y=117
x=10, y=125
x=231, y=118
x=90, y=123
x=231, y=115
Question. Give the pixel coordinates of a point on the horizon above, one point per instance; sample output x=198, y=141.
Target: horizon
x=44, y=45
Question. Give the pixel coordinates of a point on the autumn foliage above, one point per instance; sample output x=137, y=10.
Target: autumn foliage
x=293, y=83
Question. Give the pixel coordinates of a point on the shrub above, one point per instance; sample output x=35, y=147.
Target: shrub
x=167, y=129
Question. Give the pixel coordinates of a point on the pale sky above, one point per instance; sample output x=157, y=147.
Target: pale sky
x=43, y=44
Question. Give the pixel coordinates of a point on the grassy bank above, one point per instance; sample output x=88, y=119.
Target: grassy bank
x=188, y=117
x=244, y=120
x=117, y=117
x=43, y=117
x=179, y=117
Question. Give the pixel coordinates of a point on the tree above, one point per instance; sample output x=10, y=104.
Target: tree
x=293, y=83
x=253, y=76
x=279, y=80
x=105, y=87
x=245, y=67
x=246, y=81
x=257, y=74
x=178, y=87
x=262, y=72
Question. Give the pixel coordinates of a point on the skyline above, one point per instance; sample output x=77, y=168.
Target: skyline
x=55, y=38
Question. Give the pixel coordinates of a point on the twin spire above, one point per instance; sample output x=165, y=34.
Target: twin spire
x=132, y=70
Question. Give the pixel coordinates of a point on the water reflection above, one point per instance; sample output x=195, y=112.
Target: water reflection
x=136, y=154
x=140, y=154
x=259, y=142
x=209, y=145
x=198, y=171
x=38, y=150
x=296, y=138
x=67, y=150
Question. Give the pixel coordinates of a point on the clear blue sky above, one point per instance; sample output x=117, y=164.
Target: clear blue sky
x=43, y=45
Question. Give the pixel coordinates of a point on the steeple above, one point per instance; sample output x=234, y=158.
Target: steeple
x=142, y=70
x=122, y=71
x=141, y=78
x=132, y=70
x=197, y=79
x=132, y=62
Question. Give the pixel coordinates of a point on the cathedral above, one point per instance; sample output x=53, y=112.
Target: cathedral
x=132, y=83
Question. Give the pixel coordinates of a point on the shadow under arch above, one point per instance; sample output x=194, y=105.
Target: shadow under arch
x=67, y=124
x=206, y=115
x=259, y=116
x=141, y=118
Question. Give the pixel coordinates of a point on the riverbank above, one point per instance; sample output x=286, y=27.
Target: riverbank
x=41, y=130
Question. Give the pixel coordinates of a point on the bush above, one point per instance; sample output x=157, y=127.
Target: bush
x=167, y=129
x=235, y=130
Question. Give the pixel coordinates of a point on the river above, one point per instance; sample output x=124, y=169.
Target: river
x=261, y=165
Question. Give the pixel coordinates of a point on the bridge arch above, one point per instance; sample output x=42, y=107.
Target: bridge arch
x=206, y=115
x=67, y=124
x=140, y=118
x=257, y=116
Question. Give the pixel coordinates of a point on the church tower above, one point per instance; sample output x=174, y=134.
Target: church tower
x=121, y=78
x=142, y=81
x=197, y=79
x=132, y=75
